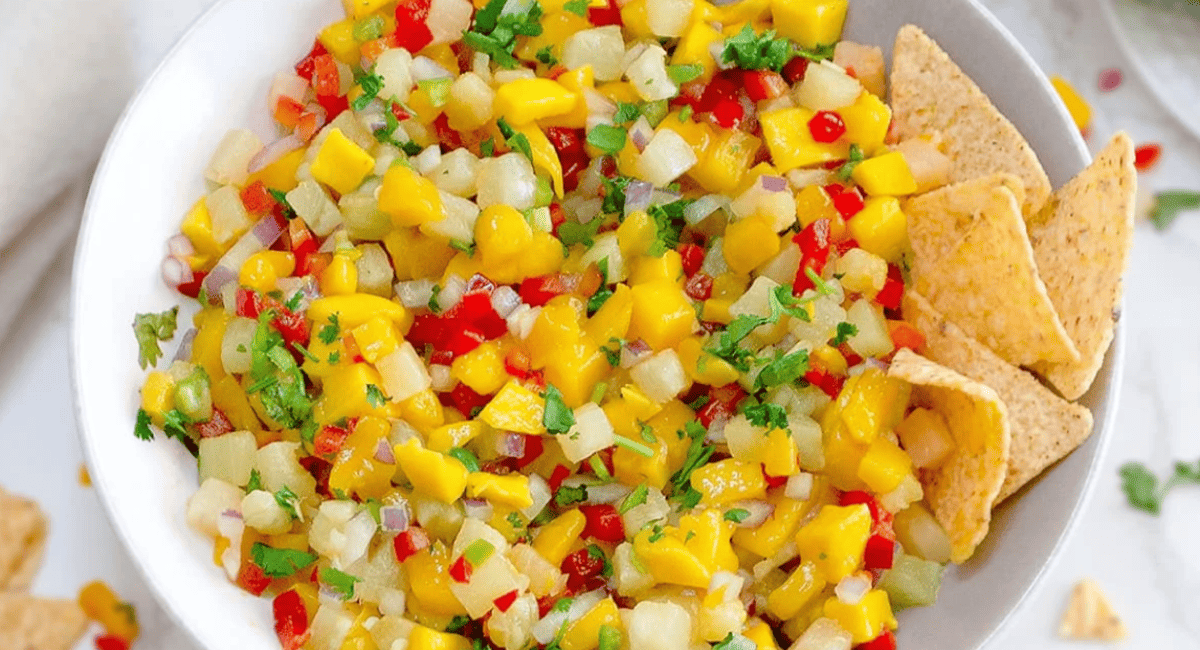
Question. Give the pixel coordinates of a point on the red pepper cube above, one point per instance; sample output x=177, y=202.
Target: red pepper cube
x=409, y=543
x=330, y=440
x=904, y=335
x=538, y=291
x=560, y=474
x=466, y=400
x=829, y=383
x=879, y=553
x=412, y=32
x=607, y=15
x=461, y=570
x=885, y=641
x=307, y=65
x=1146, y=156
x=693, y=258
x=722, y=404
x=764, y=84
x=192, y=289
x=772, y=481
x=582, y=564
x=505, y=601
x=699, y=287
x=248, y=303
x=257, y=199
x=848, y=202
x=252, y=579
x=891, y=296
x=291, y=620
x=325, y=77
x=110, y=642
x=533, y=450
x=728, y=113
x=795, y=70
x=826, y=127
x=603, y=523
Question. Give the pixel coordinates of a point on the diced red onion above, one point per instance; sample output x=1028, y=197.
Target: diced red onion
x=511, y=445
x=395, y=519
x=505, y=301
x=220, y=276
x=383, y=452
x=478, y=509
x=176, y=272
x=306, y=286
x=640, y=133
x=415, y=293
x=716, y=430
x=274, y=152
x=262, y=236
x=184, y=352
x=637, y=196
x=180, y=246
x=703, y=207
x=268, y=229
x=799, y=486
x=851, y=589
x=773, y=183
x=425, y=69
x=634, y=352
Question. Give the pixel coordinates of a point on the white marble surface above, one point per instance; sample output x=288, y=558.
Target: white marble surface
x=1147, y=565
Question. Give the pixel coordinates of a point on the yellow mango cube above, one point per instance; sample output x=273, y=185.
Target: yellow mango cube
x=338, y=38
x=557, y=327
x=409, y=198
x=612, y=320
x=456, y=434
x=158, y=396
x=356, y=471
x=425, y=638
x=704, y=367
x=881, y=228
x=423, y=411
x=729, y=480
x=760, y=633
x=1077, y=106
x=694, y=47
x=264, y=268
x=555, y=539
x=340, y=278
x=481, y=369
x=341, y=164
x=197, y=227
x=668, y=560
x=706, y=534
x=776, y=531
x=584, y=632
x=206, y=347
x=434, y=474
x=360, y=8
x=835, y=540
x=865, y=620
x=867, y=121
x=515, y=408
x=576, y=370
x=345, y=393
x=662, y=314
x=810, y=23
x=884, y=466
x=354, y=310
x=636, y=234
x=885, y=175
x=667, y=267
x=750, y=243
x=376, y=338
x=632, y=468
x=228, y=396
x=429, y=583
x=281, y=174
x=725, y=161
x=527, y=100
x=511, y=490
x=416, y=255
x=791, y=143
x=812, y=203
x=872, y=403
x=804, y=584
x=502, y=235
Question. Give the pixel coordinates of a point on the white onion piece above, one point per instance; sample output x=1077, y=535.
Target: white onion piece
x=395, y=519
x=429, y=158
x=610, y=493
x=759, y=511
x=851, y=589
x=184, y=352
x=440, y=377
x=799, y=486
x=452, y=293
x=505, y=301
x=478, y=509
x=634, y=352
x=703, y=207
x=511, y=445
x=425, y=69
x=637, y=196
x=640, y=133
x=716, y=431
x=383, y=452
x=274, y=152
x=180, y=246
x=415, y=293
x=592, y=178
x=176, y=272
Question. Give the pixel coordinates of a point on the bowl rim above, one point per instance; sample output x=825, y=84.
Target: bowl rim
x=1105, y=422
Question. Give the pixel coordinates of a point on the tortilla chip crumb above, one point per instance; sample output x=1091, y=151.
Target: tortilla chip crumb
x=30, y=623
x=1090, y=616
x=22, y=540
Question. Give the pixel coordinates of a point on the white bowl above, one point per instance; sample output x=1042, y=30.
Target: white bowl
x=217, y=78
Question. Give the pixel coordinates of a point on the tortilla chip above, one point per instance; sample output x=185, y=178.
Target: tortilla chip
x=1081, y=242
x=29, y=623
x=937, y=221
x=22, y=540
x=1045, y=427
x=930, y=93
x=962, y=490
x=1090, y=616
x=988, y=284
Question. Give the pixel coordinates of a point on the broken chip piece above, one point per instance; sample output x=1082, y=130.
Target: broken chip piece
x=22, y=540
x=1090, y=616
x=39, y=623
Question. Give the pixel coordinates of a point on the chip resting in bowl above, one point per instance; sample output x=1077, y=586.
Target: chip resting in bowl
x=586, y=326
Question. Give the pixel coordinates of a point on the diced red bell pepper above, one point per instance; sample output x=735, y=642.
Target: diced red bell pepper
x=814, y=241
x=1146, y=156
x=609, y=14
x=891, y=296
x=325, y=78
x=540, y=290
x=518, y=364
x=412, y=32
x=319, y=469
x=728, y=113
x=885, y=641
x=410, y=542
x=218, y=424
x=881, y=545
x=464, y=340
x=192, y=289
x=333, y=105
x=506, y=601
x=248, y=303
x=399, y=113
x=428, y=329
x=848, y=202
x=330, y=440
x=904, y=335
x=307, y=65
x=287, y=112
x=557, y=215
x=693, y=258
x=722, y=404
x=110, y=642
x=447, y=136
x=251, y=578
x=293, y=326
x=879, y=553
x=461, y=570
x=466, y=400
x=256, y=199
x=772, y=481
x=291, y=620
x=699, y=286
x=795, y=70
x=763, y=84
x=560, y=474
x=603, y=523
x=581, y=566
x=534, y=447
x=826, y=127
x=571, y=153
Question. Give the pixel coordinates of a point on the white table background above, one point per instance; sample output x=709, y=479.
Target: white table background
x=1147, y=565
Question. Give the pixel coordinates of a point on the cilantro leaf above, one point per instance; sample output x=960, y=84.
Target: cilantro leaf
x=458, y=622
x=546, y=55
x=465, y=457
x=142, y=429
x=633, y=445
x=556, y=417
x=1142, y=489
x=275, y=377
x=596, y=302
x=697, y=455
x=516, y=141
x=614, y=194
x=684, y=73
x=772, y=416
x=567, y=495
x=573, y=232
x=280, y=562
x=496, y=35
x=751, y=51
x=818, y=53
x=783, y=369
x=607, y=138
x=329, y=333
x=668, y=219
x=371, y=84
x=626, y=113
x=255, y=481
x=855, y=159
x=844, y=332
x=728, y=341
x=577, y=7
x=149, y=329
x=289, y=501
x=737, y=515
x=635, y=499
x=1168, y=206
x=175, y=424
x=342, y=583
x=375, y=396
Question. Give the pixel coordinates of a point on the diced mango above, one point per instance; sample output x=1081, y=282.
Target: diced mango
x=555, y=539
x=798, y=590
x=158, y=396
x=456, y=434
x=668, y=560
x=810, y=23
x=584, y=633
x=481, y=369
x=356, y=471
x=1077, y=106
x=835, y=540
x=667, y=267
x=884, y=466
x=409, y=198
x=725, y=161
x=872, y=403
x=787, y=136
x=341, y=164
x=707, y=535
x=662, y=314
x=729, y=480
x=429, y=581
x=749, y=243
x=376, y=338
x=694, y=47
x=885, y=175
x=359, y=8
x=527, y=100
x=228, y=396
x=612, y=320
x=197, y=227
x=515, y=408
x=423, y=411
x=338, y=38
x=510, y=490
x=438, y=475
x=632, y=468
x=281, y=174
x=206, y=347
x=354, y=310
x=345, y=393
x=881, y=228
x=867, y=121
x=777, y=530
x=865, y=620
x=575, y=370
x=340, y=277
x=762, y=636
x=416, y=255
x=703, y=366
x=264, y=268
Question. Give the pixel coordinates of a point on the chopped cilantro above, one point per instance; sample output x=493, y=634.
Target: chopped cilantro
x=597, y=553
x=304, y=351
x=465, y=247
x=280, y=562
x=334, y=357
x=772, y=416
x=465, y=457
x=562, y=605
x=647, y=434
x=329, y=333
x=685, y=113
x=613, y=353
x=458, y=622
x=573, y=232
x=556, y=417
x=255, y=482
x=607, y=138
x=783, y=369
x=728, y=345
x=371, y=84
x=289, y=502
x=614, y=194
x=634, y=446
x=175, y=424
x=149, y=329
x=487, y=148
x=496, y=35
x=410, y=148
x=293, y=303
x=635, y=499
x=1142, y=489
x=822, y=286
x=656, y=533
x=668, y=219
x=142, y=429
x=386, y=133
x=599, y=469
x=626, y=113
x=275, y=377
x=750, y=51
x=1168, y=205
x=308, y=431
x=516, y=141
x=855, y=159
x=567, y=496
x=818, y=53
x=844, y=332
x=375, y=396
x=342, y=583
x=433, y=299
x=546, y=55
x=577, y=7
x=514, y=520
x=697, y=455
x=737, y=515
x=597, y=301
